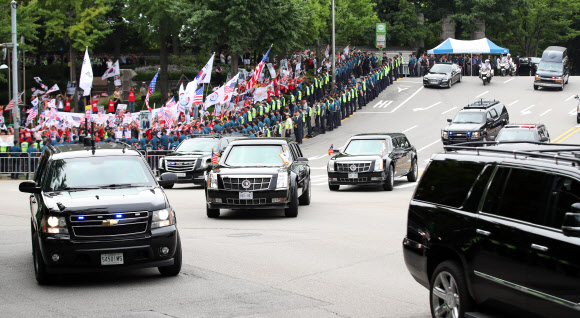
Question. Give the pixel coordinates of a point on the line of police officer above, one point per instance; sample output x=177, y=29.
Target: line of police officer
x=18, y=157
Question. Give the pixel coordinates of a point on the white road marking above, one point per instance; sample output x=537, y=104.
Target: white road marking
x=425, y=108
x=408, y=185
x=511, y=79
x=569, y=98
x=409, y=129
x=573, y=112
x=317, y=157
x=527, y=110
x=409, y=82
x=513, y=102
x=379, y=103
x=429, y=145
x=481, y=94
x=406, y=100
x=386, y=104
x=402, y=88
x=544, y=113
x=450, y=109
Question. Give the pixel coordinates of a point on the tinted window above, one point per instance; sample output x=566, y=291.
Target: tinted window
x=518, y=194
x=565, y=193
x=476, y=193
x=448, y=182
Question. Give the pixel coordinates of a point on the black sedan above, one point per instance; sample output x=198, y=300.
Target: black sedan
x=442, y=75
x=528, y=65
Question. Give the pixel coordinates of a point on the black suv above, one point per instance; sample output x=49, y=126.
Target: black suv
x=523, y=133
x=100, y=209
x=373, y=159
x=264, y=173
x=475, y=122
x=191, y=158
x=498, y=228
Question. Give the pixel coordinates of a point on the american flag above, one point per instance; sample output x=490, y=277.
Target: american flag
x=198, y=97
x=150, y=90
x=214, y=157
x=32, y=113
x=331, y=150
x=170, y=103
x=10, y=105
x=258, y=70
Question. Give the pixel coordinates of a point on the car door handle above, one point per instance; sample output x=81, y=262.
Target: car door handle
x=483, y=232
x=33, y=201
x=540, y=248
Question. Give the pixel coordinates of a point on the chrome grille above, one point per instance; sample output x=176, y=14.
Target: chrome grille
x=246, y=202
x=99, y=225
x=353, y=180
x=360, y=167
x=236, y=183
x=180, y=165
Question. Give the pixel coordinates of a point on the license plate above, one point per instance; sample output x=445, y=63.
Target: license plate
x=353, y=175
x=459, y=135
x=180, y=174
x=112, y=259
x=246, y=195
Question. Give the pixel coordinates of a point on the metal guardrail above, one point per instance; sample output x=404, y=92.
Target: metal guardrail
x=19, y=164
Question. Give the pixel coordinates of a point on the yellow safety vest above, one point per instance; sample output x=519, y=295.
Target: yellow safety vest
x=24, y=146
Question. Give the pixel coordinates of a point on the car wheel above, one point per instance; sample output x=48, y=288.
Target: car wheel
x=40, y=272
x=334, y=187
x=448, y=291
x=168, y=186
x=292, y=210
x=567, y=79
x=578, y=119
x=390, y=182
x=561, y=88
x=212, y=213
x=450, y=83
x=535, y=87
x=414, y=173
x=173, y=270
x=305, y=198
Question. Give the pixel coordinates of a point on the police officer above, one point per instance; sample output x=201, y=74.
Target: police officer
x=298, y=126
x=15, y=158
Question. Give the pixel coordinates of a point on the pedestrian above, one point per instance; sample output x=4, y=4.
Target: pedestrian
x=143, y=93
x=131, y=100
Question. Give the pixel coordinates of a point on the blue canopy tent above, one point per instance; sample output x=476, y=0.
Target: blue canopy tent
x=481, y=46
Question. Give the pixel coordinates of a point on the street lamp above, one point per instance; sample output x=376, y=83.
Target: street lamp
x=6, y=67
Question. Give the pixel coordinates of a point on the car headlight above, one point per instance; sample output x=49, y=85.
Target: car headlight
x=475, y=134
x=444, y=134
x=161, y=218
x=537, y=76
x=379, y=165
x=331, y=166
x=212, y=181
x=56, y=225
x=559, y=77
x=282, y=182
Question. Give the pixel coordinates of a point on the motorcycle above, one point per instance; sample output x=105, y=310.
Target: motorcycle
x=485, y=74
x=506, y=67
x=578, y=110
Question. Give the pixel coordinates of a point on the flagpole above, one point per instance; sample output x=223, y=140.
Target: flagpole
x=16, y=109
x=333, y=49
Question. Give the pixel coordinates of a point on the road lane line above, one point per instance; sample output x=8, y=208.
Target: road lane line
x=445, y=112
x=386, y=104
x=513, y=102
x=379, y=103
x=429, y=145
x=544, y=113
x=569, y=135
x=527, y=110
x=406, y=100
x=428, y=107
x=478, y=96
x=569, y=98
x=573, y=112
x=562, y=135
x=511, y=79
x=409, y=129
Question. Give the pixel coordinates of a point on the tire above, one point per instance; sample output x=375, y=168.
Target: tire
x=305, y=198
x=459, y=80
x=413, y=175
x=567, y=79
x=168, y=186
x=578, y=119
x=484, y=82
x=450, y=83
x=40, y=272
x=561, y=88
x=448, y=277
x=390, y=182
x=535, y=87
x=334, y=187
x=212, y=213
x=173, y=270
x=292, y=210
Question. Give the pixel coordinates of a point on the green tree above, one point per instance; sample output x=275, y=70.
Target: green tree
x=352, y=19
x=403, y=25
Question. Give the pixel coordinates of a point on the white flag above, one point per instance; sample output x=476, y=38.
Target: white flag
x=272, y=70
x=112, y=71
x=183, y=99
x=86, y=80
x=204, y=75
x=214, y=98
x=53, y=89
x=346, y=50
x=190, y=92
x=297, y=74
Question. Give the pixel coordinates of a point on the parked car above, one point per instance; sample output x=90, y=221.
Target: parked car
x=522, y=133
x=497, y=230
x=529, y=65
x=264, y=173
x=442, y=75
x=373, y=159
x=100, y=209
x=479, y=121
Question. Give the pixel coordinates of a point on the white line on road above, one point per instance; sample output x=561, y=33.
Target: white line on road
x=402, y=88
x=406, y=100
x=511, y=79
x=409, y=82
x=569, y=98
x=386, y=104
x=544, y=113
x=450, y=109
x=379, y=103
x=425, y=108
x=478, y=96
x=573, y=112
x=527, y=110
x=409, y=129
x=513, y=102
x=429, y=145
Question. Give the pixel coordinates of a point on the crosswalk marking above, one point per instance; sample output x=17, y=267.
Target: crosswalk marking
x=383, y=104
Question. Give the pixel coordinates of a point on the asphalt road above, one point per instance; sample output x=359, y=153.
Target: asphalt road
x=341, y=257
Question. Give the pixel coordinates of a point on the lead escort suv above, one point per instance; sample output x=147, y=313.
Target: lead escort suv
x=373, y=159
x=480, y=121
x=265, y=173
x=191, y=158
x=100, y=209
x=495, y=231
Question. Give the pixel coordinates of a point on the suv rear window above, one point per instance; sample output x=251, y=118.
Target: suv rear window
x=448, y=182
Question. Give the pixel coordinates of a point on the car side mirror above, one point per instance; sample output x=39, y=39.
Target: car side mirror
x=29, y=187
x=577, y=96
x=571, y=224
x=544, y=139
x=449, y=120
x=302, y=159
x=336, y=151
x=167, y=179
